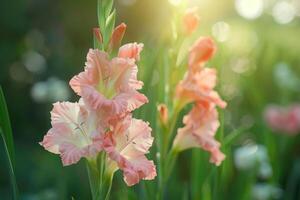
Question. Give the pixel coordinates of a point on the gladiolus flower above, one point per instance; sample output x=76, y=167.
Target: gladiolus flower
x=191, y=20
x=201, y=124
x=109, y=85
x=202, y=50
x=198, y=86
x=75, y=133
x=282, y=119
x=127, y=145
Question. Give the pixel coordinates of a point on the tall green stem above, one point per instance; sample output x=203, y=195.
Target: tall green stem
x=100, y=177
x=167, y=157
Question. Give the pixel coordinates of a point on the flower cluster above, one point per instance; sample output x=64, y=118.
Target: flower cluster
x=283, y=119
x=197, y=87
x=102, y=121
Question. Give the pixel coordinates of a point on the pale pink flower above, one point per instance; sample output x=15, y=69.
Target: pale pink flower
x=131, y=50
x=201, y=124
x=283, y=119
x=127, y=145
x=75, y=133
x=198, y=86
x=202, y=50
x=190, y=20
x=109, y=85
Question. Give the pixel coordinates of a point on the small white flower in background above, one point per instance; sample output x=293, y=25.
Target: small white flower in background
x=34, y=62
x=250, y=156
x=264, y=191
x=51, y=90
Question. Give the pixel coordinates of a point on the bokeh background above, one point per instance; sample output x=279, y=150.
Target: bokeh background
x=43, y=43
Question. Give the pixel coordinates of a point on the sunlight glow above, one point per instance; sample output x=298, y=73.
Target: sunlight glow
x=249, y=9
x=175, y=2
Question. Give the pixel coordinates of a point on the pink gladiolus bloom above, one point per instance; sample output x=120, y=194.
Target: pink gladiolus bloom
x=75, y=133
x=202, y=50
x=131, y=50
x=109, y=85
x=127, y=145
x=191, y=20
x=201, y=124
x=282, y=119
x=198, y=86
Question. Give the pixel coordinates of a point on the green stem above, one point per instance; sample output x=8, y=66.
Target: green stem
x=167, y=156
x=100, y=177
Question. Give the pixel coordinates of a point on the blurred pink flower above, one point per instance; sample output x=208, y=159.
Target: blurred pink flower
x=198, y=86
x=201, y=124
x=75, y=133
x=283, y=119
x=190, y=20
x=109, y=85
x=127, y=144
x=202, y=50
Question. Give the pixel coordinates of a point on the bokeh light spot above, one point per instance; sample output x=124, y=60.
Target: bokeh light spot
x=249, y=9
x=221, y=31
x=283, y=12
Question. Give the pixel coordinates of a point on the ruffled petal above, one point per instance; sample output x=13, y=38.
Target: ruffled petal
x=97, y=68
x=75, y=133
x=127, y=145
x=131, y=50
x=201, y=124
x=198, y=86
x=109, y=85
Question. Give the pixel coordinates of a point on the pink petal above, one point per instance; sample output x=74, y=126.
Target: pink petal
x=202, y=50
x=190, y=20
x=201, y=124
x=198, y=86
x=131, y=50
x=126, y=145
x=75, y=133
x=96, y=69
x=109, y=85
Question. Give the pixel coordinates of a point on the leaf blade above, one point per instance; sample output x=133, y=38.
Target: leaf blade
x=6, y=134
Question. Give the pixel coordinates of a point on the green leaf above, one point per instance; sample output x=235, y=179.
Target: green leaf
x=101, y=15
x=6, y=133
x=107, y=7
